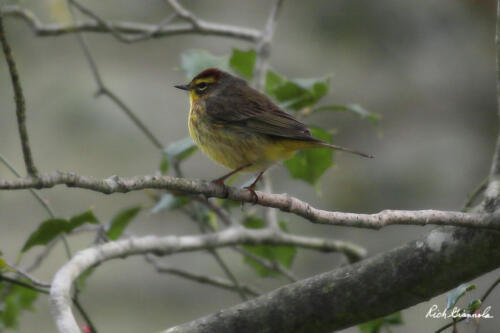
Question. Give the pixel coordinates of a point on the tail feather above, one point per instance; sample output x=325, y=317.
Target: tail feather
x=347, y=150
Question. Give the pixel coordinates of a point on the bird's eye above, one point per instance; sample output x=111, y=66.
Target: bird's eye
x=201, y=86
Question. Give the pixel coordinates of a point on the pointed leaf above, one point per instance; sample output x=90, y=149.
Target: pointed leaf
x=297, y=94
x=81, y=219
x=454, y=295
x=164, y=166
x=50, y=229
x=310, y=164
x=121, y=221
x=243, y=62
x=273, y=80
x=47, y=231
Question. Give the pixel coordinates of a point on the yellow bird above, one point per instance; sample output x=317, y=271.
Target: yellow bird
x=241, y=128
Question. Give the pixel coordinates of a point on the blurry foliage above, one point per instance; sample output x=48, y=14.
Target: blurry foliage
x=121, y=221
x=50, y=229
x=376, y=326
x=13, y=300
x=282, y=254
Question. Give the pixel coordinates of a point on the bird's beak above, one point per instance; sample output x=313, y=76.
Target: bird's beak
x=183, y=87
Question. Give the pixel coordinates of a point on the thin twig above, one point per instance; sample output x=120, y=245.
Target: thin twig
x=20, y=103
x=215, y=254
x=125, y=38
x=214, y=281
x=137, y=29
x=471, y=197
x=28, y=276
x=102, y=89
x=23, y=284
x=84, y=314
x=228, y=221
x=35, y=193
x=273, y=266
x=264, y=46
x=184, y=13
x=261, y=66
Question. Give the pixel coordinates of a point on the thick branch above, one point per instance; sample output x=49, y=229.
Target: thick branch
x=60, y=291
x=370, y=289
x=132, y=28
x=19, y=98
x=283, y=202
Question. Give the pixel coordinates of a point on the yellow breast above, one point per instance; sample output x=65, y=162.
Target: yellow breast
x=234, y=147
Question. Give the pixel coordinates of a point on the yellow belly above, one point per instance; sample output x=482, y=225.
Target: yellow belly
x=233, y=147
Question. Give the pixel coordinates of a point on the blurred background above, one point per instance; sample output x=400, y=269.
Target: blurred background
x=427, y=67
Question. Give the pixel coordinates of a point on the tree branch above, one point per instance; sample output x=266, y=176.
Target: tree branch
x=131, y=28
x=37, y=195
x=384, y=284
x=264, y=47
x=61, y=285
x=19, y=99
x=283, y=202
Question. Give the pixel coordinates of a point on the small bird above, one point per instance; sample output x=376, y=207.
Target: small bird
x=241, y=128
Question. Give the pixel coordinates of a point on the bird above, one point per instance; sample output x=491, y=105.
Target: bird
x=241, y=128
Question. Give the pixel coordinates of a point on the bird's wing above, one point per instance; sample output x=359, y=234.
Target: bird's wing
x=247, y=108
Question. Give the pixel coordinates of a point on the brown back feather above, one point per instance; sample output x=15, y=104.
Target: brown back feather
x=234, y=103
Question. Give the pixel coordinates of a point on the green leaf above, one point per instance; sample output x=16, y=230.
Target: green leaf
x=283, y=254
x=297, y=94
x=169, y=202
x=243, y=62
x=354, y=108
x=180, y=150
x=273, y=80
x=195, y=61
x=454, y=295
x=17, y=300
x=121, y=221
x=164, y=166
x=310, y=164
x=474, y=305
x=3, y=264
x=376, y=325
x=81, y=219
x=50, y=229
x=47, y=231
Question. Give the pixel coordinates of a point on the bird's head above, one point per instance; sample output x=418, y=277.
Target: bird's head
x=208, y=83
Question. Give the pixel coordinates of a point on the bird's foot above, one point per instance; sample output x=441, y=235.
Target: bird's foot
x=251, y=188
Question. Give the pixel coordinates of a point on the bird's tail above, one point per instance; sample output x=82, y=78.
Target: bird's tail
x=347, y=150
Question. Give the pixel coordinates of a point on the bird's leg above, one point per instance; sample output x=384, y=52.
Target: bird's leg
x=251, y=187
x=222, y=179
